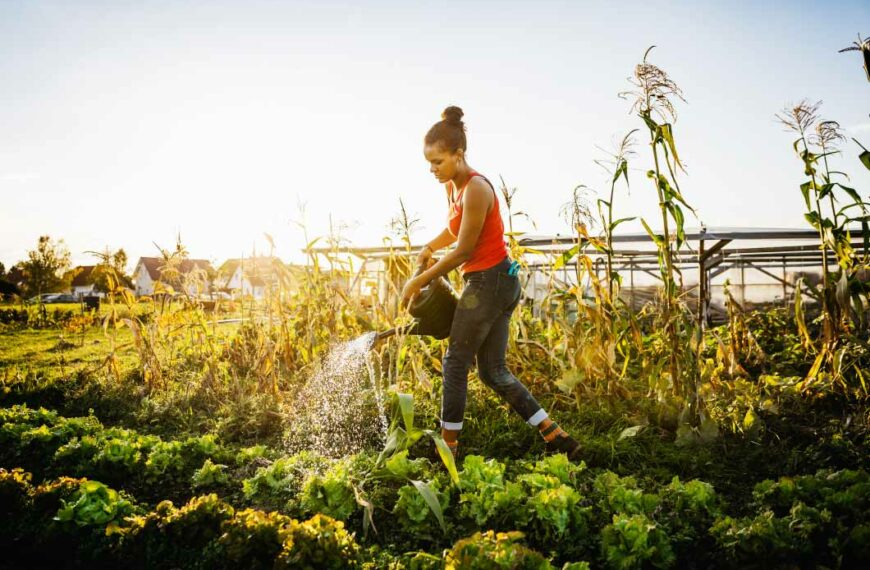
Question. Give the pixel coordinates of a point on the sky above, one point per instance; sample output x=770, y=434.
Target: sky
x=129, y=123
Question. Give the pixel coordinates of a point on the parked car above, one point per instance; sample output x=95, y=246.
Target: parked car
x=44, y=298
x=47, y=298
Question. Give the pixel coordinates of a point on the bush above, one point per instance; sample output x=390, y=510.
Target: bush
x=330, y=493
x=15, y=494
x=634, y=542
x=210, y=475
x=493, y=551
x=94, y=504
x=484, y=494
x=171, y=537
x=320, y=543
x=251, y=539
x=278, y=485
x=620, y=495
x=810, y=519
x=413, y=511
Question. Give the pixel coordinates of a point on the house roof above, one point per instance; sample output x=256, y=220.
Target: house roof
x=154, y=264
x=15, y=275
x=256, y=270
x=84, y=276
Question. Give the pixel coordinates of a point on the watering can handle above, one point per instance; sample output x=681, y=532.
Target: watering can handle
x=423, y=267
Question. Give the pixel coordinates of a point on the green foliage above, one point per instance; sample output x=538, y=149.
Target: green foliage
x=484, y=494
x=330, y=493
x=493, y=551
x=251, y=539
x=403, y=468
x=15, y=493
x=764, y=539
x=174, y=537
x=320, y=543
x=633, y=541
x=560, y=467
x=801, y=517
x=414, y=509
x=210, y=475
x=249, y=454
x=45, y=265
x=845, y=493
x=558, y=510
x=178, y=457
x=94, y=504
x=279, y=483
x=812, y=518
x=620, y=495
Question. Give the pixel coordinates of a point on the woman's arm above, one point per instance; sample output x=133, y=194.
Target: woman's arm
x=443, y=239
x=475, y=204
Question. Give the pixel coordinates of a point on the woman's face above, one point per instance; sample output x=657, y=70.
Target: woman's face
x=443, y=163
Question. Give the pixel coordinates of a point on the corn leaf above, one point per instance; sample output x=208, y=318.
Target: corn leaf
x=566, y=257
x=805, y=191
x=843, y=291
x=446, y=456
x=368, y=510
x=621, y=169
x=630, y=432
x=667, y=133
x=619, y=221
x=657, y=239
x=852, y=194
x=406, y=406
x=432, y=500
x=799, y=313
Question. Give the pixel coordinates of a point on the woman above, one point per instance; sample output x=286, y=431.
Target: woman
x=481, y=323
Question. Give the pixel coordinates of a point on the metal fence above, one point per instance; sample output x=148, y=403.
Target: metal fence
x=761, y=266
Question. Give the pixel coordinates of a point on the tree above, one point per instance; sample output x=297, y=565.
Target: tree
x=7, y=287
x=44, y=267
x=112, y=267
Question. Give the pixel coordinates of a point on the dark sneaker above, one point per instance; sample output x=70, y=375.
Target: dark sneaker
x=563, y=444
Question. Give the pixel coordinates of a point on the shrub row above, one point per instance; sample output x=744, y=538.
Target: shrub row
x=146, y=465
x=82, y=523
x=565, y=511
x=78, y=522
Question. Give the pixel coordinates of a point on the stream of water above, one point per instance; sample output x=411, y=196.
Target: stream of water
x=340, y=410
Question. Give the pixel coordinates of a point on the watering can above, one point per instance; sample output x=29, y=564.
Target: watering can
x=432, y=310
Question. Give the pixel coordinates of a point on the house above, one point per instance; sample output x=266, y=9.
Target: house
x=191, y=275
x=82, y=283
x=16, y=276
x=255, y=275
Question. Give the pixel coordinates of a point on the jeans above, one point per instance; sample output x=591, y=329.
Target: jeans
x=481, y=326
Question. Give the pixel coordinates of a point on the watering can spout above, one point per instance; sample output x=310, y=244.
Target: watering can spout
x=377, y=338
x=392, y=332
x=432, y=310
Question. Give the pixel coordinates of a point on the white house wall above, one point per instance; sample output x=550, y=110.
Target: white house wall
x=144, y=284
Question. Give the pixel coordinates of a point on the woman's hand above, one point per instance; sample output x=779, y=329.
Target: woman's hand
x=424, y=258
x=411, y=290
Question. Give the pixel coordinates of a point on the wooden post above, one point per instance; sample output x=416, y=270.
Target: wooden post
x=784, y=284
x=702, y=285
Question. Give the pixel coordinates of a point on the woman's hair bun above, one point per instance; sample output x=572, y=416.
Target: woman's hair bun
x=449, y=131
x=452, y=115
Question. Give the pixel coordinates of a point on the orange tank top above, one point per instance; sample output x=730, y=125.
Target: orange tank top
x=490, y=248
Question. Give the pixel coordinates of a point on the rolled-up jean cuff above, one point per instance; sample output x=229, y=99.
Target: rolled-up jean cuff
x=456, y=426
x=537, y=417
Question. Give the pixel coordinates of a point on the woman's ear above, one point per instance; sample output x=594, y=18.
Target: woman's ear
x=460, y=156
